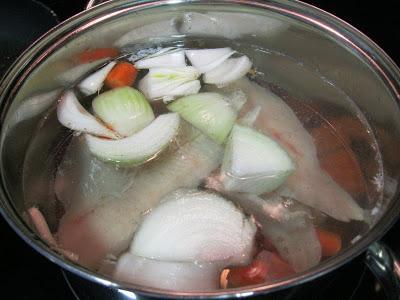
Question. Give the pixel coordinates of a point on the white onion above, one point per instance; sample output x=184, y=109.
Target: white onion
x=178, y=276
x=253, y=162
x=73, y=115
x=206, y=60
x=209, y=112
x=310, y=184
x=191, y=225
x=123, y=109
x=168, y=82
x=230, y=70
x=94, y=82
x=93, y=238
x=137, y=148
x=163, y=59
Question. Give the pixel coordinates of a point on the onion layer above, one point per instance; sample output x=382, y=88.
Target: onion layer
x=73, y=115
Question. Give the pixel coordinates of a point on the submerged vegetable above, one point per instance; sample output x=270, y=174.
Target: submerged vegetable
x=124, y=109
x=163, y=59
x=91, y=55
x=168, y=82
x=266, y=266
x=229, y=71
x=206, y=60
x=140, y=147
x=253, y=162
x=94, y=82
x=73, y=115
x=190, y=225
x=309, y=183
x=331, y=243
x=123, y=74
x=209, y=112
x=92, y=231
x=170, y=275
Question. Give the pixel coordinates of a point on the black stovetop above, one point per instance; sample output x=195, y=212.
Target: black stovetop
x=28, y=275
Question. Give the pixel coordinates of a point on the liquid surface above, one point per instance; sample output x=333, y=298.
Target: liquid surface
x=73, y=183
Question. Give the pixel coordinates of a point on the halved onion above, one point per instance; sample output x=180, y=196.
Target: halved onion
x=170, y=275
x=230, y=70
x=123, y=109
x=162, y=59
x=168, y=82
x=94, y=82
x=253, y=162
x=192, y=225
x=206, y=60
x=209, y=112
x=73, y=115
x=140, y=147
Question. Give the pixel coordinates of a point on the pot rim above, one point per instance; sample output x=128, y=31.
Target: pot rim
x=381, y=63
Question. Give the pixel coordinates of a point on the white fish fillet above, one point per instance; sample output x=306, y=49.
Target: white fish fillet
x=230, y=25
x=290, y=230
x=108, y=227
x=310, y=184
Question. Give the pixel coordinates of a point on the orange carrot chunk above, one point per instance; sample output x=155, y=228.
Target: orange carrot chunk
x=254, y=273
x=123, y=74
x=266, y=266
x=331, y=243
x=95, y=54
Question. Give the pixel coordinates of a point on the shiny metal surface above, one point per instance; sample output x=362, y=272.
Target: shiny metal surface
x=385, y=265
x=335, y=49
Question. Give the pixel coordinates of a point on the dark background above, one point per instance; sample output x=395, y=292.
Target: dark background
x=27, y=275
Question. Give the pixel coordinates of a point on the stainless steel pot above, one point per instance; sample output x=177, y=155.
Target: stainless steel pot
x=324, y=44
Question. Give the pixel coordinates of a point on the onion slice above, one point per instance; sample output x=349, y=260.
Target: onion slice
x=191, y=225
x=206, y=60
x=94, y=82
x=209, y=112
x=73, y=115
x=169, y=82
x=230, y=70
x=123, y=109
x=178, y=276
x=162, y=59
x=253, y=162
x=137, y=148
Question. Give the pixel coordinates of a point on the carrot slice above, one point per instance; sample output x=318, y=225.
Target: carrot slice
x=266, y=266
x=331, y=243
x=95, y=54
x=123, y=74
x=255, y=273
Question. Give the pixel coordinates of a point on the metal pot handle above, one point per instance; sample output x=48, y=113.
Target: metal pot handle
x=384, y=264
